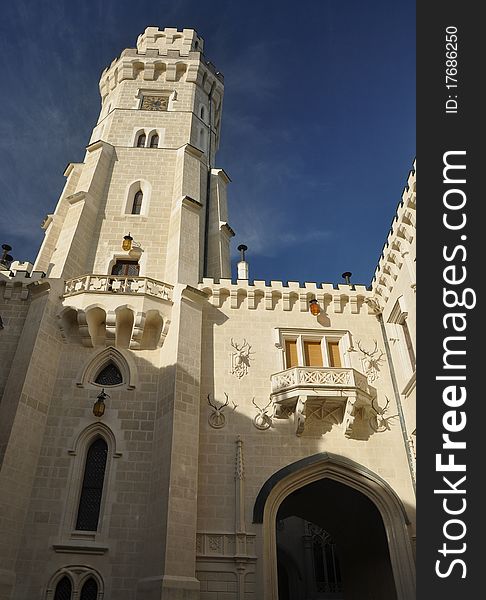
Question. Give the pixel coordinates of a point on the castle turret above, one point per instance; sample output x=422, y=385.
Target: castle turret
x=148, y=171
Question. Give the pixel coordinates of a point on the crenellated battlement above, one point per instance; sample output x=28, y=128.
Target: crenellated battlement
x=19, y=275
x=287, y=296
x=169, y=40
x=158, y=58
x=396, y=251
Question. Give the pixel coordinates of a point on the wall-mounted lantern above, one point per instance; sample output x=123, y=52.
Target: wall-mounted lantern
x=314, y=307
x=99, y=405
x=127, y=242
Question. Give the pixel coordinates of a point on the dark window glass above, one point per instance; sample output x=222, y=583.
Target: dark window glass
x=137, y=203
x=154, y=141
x=63, y=589
x=89, y=590
x=326, y=565
x=91, y=492
x=141, y=140
x=110, y=375
x=125, y=267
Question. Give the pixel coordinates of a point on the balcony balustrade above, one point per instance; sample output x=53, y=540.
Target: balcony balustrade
x=336, y=395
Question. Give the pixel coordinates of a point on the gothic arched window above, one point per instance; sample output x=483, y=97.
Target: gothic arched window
x=154, y=141
x=137, y=203
x=109, y=375
x=63, y=589
x=92, y=488
x=141, y=140
x=89, y=591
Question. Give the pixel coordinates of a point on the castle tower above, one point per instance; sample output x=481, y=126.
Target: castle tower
x=168, y=433
x=124, y=319
x=146, y=171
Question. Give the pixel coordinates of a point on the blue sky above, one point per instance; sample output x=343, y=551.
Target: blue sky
x=318, y=130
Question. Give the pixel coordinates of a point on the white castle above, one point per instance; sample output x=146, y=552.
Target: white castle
x=167, y=432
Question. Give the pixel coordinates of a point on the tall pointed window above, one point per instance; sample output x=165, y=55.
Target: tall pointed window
x=92, y=488
x=154, y=141
x=326, y=563
x=89, y=591
x=137, y=203
x=141, y=140
x=63, y=589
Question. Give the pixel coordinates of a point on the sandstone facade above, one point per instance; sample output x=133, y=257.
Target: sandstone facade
x=232, y=397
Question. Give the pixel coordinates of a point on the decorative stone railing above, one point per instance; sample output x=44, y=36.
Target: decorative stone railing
x=332, y=395
x=330, y=377
x=116, y=284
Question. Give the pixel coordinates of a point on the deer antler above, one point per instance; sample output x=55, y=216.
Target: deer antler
x=380, y=411
x=211, y=404
x=370, y=354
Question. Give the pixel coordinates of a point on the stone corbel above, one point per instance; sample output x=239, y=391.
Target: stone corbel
x=216, y=298
x=349, y=415
x=111, y=327
x=84, y=330
x=138, y=326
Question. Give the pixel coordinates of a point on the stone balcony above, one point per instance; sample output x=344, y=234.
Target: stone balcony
x=331, y=395
x=111, y=284
x=112, y=310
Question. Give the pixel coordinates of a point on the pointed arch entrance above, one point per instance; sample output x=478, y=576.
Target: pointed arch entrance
x=301, y=490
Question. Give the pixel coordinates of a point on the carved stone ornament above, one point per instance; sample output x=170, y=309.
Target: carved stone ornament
x=379, y=422
x=371, y=362
x=374, y=305
x=262, y=420
x=240, y=358
x=217, y=418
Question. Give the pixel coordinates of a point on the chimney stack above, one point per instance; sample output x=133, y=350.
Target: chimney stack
x=242, y=265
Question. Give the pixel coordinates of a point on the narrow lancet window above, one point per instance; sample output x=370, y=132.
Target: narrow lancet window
x=154, y=141
x=92, y=488
x=89, y=591
x=137, y=203
x=141, y=140
x=63, y=589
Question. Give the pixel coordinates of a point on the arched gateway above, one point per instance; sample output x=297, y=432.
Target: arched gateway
x=359, y=511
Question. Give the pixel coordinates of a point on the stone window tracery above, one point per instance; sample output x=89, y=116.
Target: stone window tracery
x=75, y=582
x=327, y=571
x=109, y=375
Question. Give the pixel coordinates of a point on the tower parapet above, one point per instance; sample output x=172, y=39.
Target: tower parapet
x=169, y=41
